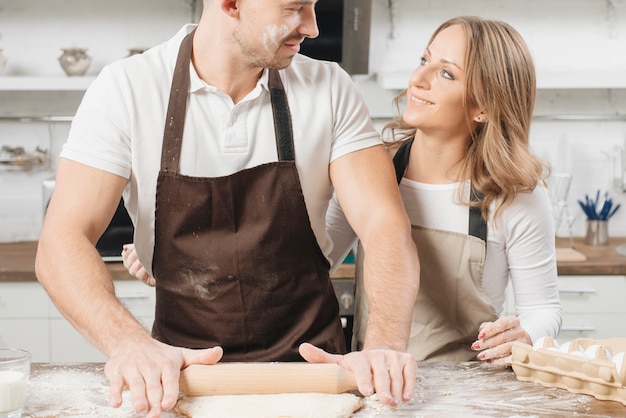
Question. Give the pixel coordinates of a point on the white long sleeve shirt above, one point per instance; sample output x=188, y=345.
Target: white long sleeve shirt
x=520, y=247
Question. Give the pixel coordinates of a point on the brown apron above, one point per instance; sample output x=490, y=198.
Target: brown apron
x=451, y=303
x=235, y=259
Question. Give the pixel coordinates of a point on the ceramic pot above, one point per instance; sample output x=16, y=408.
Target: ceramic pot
x=3, y=61
x=75, y=61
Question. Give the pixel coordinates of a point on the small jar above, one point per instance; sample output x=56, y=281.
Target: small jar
x=75, y=61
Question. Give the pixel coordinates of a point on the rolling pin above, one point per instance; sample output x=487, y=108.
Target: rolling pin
x=265, y=378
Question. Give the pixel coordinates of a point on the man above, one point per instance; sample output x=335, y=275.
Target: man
x=228, y=203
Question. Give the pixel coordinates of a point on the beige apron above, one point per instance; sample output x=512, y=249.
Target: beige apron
x=451, y=303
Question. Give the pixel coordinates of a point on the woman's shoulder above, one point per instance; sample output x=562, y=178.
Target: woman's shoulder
x=531, y=207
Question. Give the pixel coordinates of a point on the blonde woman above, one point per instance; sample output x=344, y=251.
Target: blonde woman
x=475, y=195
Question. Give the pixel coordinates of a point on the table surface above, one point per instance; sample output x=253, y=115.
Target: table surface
x=471, y=389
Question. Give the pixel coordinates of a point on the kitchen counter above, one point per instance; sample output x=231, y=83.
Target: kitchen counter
x=442, y=389
x=17, y=261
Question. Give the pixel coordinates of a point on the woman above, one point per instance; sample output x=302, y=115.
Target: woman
x=475, y=195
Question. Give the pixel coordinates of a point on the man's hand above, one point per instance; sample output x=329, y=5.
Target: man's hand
x=390, y=374
x=496, y=339
x=151, y=370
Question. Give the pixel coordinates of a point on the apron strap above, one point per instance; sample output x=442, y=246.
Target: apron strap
x=401, y=159
x=177, y=107
x=477, y=226
x=282, y=118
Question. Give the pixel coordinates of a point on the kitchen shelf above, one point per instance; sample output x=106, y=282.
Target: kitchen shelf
x=61, y=83
x=397, y=80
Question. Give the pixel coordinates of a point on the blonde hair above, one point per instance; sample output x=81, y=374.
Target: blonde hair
x=500, y=80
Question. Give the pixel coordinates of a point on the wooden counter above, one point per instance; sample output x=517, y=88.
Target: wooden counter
x=17, y=261
x=441, y=390
x=601, y=259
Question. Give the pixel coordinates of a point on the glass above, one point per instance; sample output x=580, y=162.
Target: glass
x=14, y=373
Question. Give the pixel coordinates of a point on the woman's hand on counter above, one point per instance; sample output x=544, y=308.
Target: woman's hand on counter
x=495, y=339
x=134, y=267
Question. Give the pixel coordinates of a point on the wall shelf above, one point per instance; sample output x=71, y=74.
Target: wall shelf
x=61, y=83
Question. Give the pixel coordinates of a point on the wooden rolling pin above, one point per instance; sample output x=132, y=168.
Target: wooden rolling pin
x=265, y=378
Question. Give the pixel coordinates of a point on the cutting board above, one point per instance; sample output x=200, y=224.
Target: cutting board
x=265, y=378
x=569, y=254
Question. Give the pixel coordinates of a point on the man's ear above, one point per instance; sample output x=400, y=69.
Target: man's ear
x=230, y=7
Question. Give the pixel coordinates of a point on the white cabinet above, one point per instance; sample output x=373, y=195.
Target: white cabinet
x=24, y=309
x=593, y=306
x=29, y=320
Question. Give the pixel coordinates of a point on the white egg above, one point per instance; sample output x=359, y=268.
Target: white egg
x=545, y=342
x=618, y=359
x=597, y=351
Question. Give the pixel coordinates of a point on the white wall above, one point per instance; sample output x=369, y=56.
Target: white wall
x=579, y=49
x=585, y=44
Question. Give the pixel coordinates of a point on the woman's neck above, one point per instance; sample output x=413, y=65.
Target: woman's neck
x=436, y=161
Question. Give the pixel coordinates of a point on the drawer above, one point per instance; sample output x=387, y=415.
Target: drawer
x=68, y=346
x=32, y=335
x=138, y=297
x=23, y=300
x=592, y=294
x=591, y=326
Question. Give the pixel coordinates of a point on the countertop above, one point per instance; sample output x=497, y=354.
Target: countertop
x=17, y=261
x=442, y=390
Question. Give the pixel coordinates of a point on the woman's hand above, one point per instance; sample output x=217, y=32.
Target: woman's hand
x=495, y=339
x=134, y=266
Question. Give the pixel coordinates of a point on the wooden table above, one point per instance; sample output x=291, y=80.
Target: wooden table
x=442, y=390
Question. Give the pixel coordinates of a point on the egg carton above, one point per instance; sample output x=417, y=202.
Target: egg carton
x=583, y=365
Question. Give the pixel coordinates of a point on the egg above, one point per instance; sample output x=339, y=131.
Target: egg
x=545, y=342
x=618, y=359
x=570, y=346
x=598, y=352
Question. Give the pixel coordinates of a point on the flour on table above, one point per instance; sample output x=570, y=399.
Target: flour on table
x=287, y=405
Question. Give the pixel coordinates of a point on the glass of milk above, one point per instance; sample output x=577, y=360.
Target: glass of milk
x=14, y=373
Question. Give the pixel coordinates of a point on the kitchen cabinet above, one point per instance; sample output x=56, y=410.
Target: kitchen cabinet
x=29, y=320
x=401, y=29
x=593, y=306
x=24, y=318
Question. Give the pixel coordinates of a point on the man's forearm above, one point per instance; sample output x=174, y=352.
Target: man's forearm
x=391, y=282
x=81, y=287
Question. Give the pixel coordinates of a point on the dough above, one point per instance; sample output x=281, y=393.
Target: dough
x=292, y=405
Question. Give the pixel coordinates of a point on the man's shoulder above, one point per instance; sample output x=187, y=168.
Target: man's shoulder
x=303, y=66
